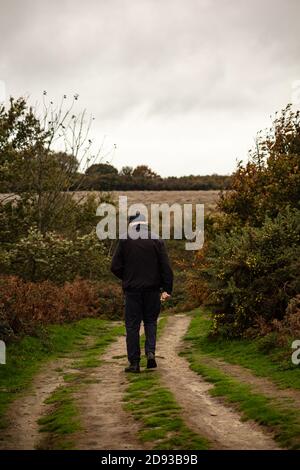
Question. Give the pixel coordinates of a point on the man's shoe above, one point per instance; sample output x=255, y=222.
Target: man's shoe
x=151, y=362
x=133, y=368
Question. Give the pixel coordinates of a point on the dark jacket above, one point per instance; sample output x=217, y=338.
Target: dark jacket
x=142, y=264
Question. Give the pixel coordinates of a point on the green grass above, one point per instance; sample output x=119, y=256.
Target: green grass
x=62, y=421
x=25, y=358
x=91, y=356
x=282, y=420
x=155, y=407
x=261, y=356
x=159, y=414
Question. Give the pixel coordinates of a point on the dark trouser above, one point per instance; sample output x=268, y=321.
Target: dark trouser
x=141, y=306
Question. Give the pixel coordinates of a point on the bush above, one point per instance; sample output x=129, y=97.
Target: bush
x=271, y=178
x=25, y=306
x=39, y=257
x=253, y=273
x=249, y=268
x=282, y=331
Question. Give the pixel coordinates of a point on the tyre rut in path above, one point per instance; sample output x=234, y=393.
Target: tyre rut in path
x=22, y=432
x=105, y=424
x=260, y=384
x=203, y=413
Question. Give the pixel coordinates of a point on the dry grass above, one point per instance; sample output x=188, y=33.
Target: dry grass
x=208, y=198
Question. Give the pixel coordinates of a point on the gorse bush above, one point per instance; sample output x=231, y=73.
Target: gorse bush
x=253, y=272
x=26, y=306
x=271, y=178
x=285, y=329
x=249, y=268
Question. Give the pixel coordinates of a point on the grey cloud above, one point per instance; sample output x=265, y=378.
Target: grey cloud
x=61, y=37
x=168, y=56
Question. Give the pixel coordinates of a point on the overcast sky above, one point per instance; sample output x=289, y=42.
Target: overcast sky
x=182, y=86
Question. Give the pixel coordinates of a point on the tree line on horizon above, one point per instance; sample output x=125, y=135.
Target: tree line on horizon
x=106, y=177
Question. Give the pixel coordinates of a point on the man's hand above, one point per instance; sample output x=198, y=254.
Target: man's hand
x=164, y=296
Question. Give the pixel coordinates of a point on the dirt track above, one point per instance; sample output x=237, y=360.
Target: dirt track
x=105, y=424
x=204, y=414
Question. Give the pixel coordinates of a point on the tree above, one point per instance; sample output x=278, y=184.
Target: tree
x=33, y=167
x=99, y=169
x=143, y=171
x=271, y=178
x=126, y=171
x=251, y=260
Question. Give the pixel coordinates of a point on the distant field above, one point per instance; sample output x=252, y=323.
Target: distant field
x=208, y=198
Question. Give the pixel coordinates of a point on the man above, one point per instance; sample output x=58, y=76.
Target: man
x=142, y=262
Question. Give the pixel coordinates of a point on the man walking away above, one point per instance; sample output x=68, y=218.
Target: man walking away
x=147, y=278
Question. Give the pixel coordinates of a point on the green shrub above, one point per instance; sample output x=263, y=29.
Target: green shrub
x=271, y=178
x=253, y=272
x=249, y=266
x=52, y=257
